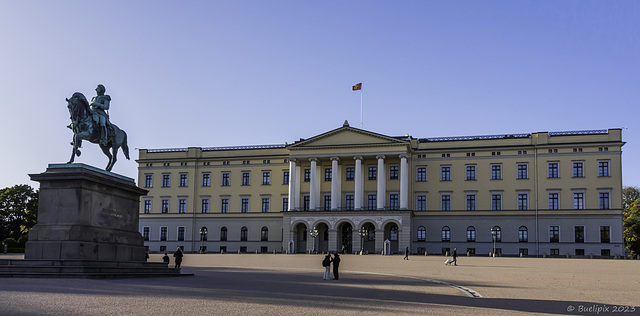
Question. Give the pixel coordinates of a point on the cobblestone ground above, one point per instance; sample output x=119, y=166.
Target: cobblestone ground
x=268, y=284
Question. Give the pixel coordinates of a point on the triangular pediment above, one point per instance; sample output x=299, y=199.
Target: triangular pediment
x=347, y=137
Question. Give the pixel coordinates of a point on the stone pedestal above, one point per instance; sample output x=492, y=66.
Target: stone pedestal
x=86, y=213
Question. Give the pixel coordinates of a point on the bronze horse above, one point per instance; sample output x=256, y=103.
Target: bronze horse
x=84, y=127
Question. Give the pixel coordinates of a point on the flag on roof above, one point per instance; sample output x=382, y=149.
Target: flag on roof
x=357, y=86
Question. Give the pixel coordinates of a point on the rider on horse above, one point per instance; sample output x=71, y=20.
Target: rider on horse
x=99, y=105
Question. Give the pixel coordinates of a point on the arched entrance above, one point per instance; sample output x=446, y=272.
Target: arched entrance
x=369, y=245
x=300, y=237
x=391, y=234
x=323, y=237
x=345, y=233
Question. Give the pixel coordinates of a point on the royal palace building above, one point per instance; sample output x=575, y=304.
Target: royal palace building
x=351, y=190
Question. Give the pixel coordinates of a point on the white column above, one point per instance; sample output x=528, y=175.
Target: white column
x=312, y=185
x=335, y=180
x=404, y=183
x=292, y=184
x=382, y=183
x=358, y=194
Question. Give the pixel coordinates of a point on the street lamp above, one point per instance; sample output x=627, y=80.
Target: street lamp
x=494, y=232
x=314, y=233
x=363, y=233
x=203, y=237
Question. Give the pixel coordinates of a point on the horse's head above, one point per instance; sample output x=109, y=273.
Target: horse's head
x=78, y=106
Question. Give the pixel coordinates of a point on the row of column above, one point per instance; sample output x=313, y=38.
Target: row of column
x=336, y=195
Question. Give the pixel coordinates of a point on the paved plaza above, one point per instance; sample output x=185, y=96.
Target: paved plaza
x=268, y=284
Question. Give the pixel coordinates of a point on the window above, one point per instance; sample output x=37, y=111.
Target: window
x=306, y=202
x=327, y=202
x=181, y=233
x=393, y=202
x=348, y=202
x=471, y=202
x=422, y=233
x=445, y=202
x=371, y=202
x=579, y=252
x=146, y=231
x=421, y=175
x=285, y=177
x=496, y=202
x=244, y=205
x=446, y=234
x=223, y=234
x=605, y=252
x=166, y=180
x=226, y=179
x=163, y=233
x=553, y=170
x=147, y=206
x=246, y=178
x=224, y=205
x=471, y=172
x=393, y=233
x=523, y=234
x=554, y=233
x=445, y=174
x=471, y=234
x=148, y=181
x=244, y=232
x=266, y=178
x=307, y=175
x=206, y=179
x=164, y=207
x=393, y=173
x=496, y=172
x=554, y=203
x=605, y=235
x=496, y=234
x=204, y=206
x=328, y=173
x=265, y=205
x=523, y=172
x=579, y=234
x=578, y=169
x=554, y=252
x=578, y=200
x=182, y=206
x=350, y=174
x=264, y=234
x=373, y=173
x=603, y=198
x=603, y=168
x=421, y=203
x=203, y=233
x=183, y=180
x=523, y=201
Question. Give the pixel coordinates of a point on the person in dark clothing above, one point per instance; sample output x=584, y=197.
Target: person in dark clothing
x=455, y=256
x=406, y=254
x=165, y=259
x=336, y=264
x=178, y=255
x=326, y=263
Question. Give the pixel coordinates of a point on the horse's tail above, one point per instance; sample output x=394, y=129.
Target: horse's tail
x=125, y=147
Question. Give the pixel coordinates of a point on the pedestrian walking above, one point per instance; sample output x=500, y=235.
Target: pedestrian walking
x=455, y=256
x=336, y=264
x=326, y=263
x=406, y=254
x=178, y=255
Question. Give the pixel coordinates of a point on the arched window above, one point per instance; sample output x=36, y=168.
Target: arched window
x=422, y=233
x=446, y=234
x=523, y=234
x=243, y=233
x=203, y=234
x=471, y=234
x=264, y=234
x=393, y=233
x=496, y=233
x=371, y=233
x=223, y=234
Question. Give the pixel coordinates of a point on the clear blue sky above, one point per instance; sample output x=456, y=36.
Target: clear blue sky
x=219, y=73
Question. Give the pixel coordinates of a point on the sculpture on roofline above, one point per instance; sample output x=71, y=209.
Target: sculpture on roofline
x=91, y=122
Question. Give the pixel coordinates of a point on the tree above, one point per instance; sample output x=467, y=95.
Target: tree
x=18, y=211
x=631, y=217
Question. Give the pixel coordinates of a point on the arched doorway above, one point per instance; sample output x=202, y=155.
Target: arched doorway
x=391, y=234
x=300, y=237
x=369, y=245
x=345, y=231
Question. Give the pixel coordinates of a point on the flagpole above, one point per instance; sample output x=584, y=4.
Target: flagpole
x=361, y=112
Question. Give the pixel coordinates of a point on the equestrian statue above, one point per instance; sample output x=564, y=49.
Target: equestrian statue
x=91, y=122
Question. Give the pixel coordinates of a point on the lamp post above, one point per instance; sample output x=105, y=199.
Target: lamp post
x=203, y=236
x=494, y=232
x=314, y=233
x=363, y=233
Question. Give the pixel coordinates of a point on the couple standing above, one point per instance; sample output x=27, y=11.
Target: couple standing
x=326, y=263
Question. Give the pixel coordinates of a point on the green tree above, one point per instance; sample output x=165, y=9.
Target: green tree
x=18, y=211
x=631, y=215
